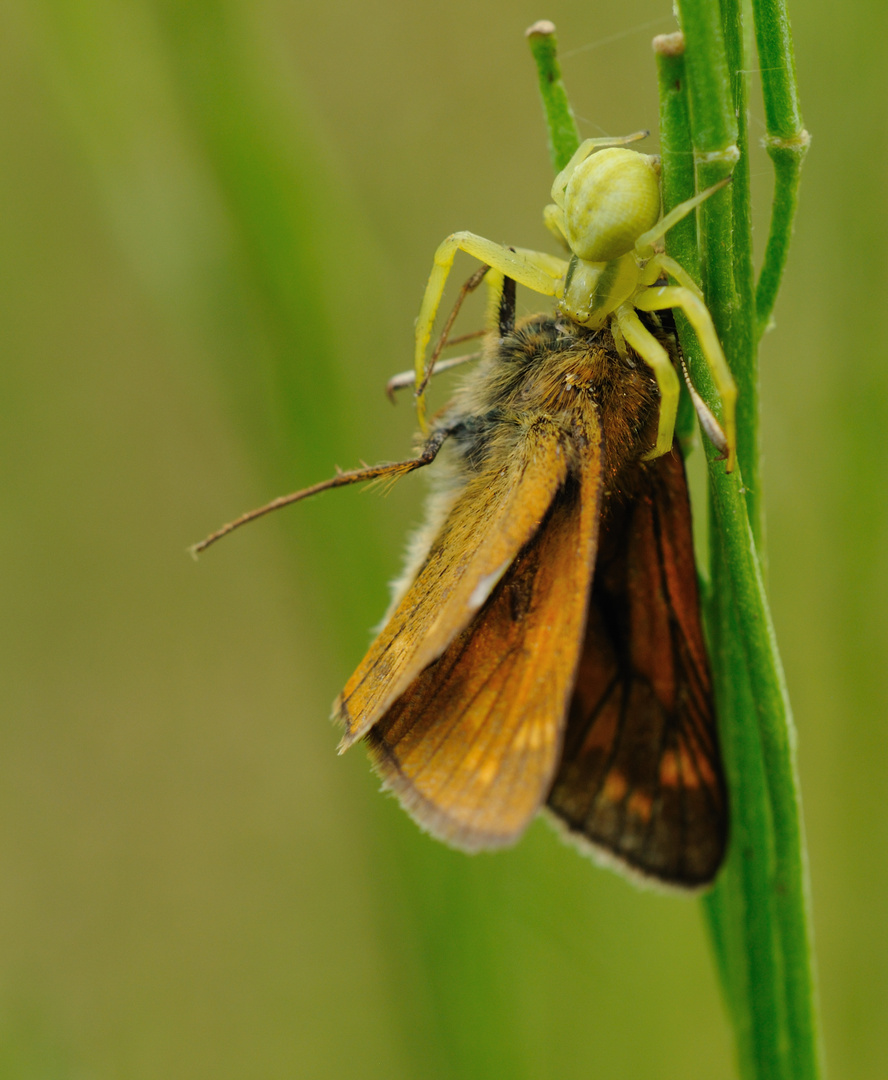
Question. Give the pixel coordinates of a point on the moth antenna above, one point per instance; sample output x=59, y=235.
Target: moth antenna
x=391, y=471
x=472, y=335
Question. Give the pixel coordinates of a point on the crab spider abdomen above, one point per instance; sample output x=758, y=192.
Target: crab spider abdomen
x=610, y=200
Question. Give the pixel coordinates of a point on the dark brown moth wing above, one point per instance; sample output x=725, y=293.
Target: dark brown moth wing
x=640, y=776
x=494, y=517
x=472, y=745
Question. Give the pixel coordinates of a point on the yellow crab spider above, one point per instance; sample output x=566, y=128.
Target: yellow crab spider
x=606, y=212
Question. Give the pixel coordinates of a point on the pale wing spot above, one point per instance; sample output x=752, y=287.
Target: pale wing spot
x=472, y=761
x=689, y=768
x=696, y=770
x=535, y=736
x=488, y=772
x=615, y=787
x=669, y=769
x=530, y=736
x=486, y=586
x=640, y=806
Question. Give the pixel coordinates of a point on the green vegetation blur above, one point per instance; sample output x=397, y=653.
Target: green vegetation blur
x=216, y=221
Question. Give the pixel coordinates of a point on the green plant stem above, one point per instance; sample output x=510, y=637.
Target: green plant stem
x=787, y=144
x=779, y=88
x=677, y=162
x=744, y=946
x=676, y=149
x=740, y=908
x=758, y=912
x=787, y=161
x=787, y=895
x=738, y=510
x=714, y=135
x=564, y=138
x=744, y=339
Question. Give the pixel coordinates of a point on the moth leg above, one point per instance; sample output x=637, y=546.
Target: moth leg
x=408, y=378
x=712, y=429
x=500, y=320
x=656, y=357
x=505, y=308
x=660, y=297
x=494, y=287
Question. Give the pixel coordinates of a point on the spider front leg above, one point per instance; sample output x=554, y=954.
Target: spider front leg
x=659, y=298
x=655, y=356
x=535, y=270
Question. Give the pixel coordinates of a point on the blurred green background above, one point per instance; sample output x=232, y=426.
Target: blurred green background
x=216, y=221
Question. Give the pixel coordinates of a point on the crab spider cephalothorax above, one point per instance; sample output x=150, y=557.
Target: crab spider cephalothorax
x=606, y=212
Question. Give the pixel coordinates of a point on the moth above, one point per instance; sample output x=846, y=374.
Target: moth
x=547, y=650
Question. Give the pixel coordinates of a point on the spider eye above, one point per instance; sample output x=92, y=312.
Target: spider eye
x=611, y=199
